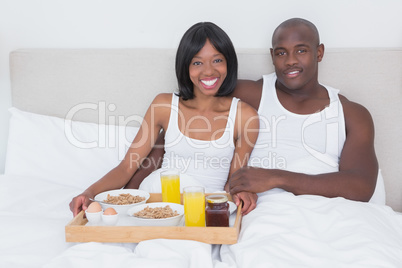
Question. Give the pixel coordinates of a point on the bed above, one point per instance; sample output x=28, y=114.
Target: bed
x=75, y=111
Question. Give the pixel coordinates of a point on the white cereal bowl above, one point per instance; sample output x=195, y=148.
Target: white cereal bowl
x=94, y=217
x=172, y=221
x=121, y=209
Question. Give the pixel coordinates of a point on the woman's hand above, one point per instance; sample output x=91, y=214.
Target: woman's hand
x=80, y=202
x=249, y=201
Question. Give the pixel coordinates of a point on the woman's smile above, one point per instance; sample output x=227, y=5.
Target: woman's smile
x=209, y=82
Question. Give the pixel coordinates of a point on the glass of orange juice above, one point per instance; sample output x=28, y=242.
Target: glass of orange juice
x=170, y=180
x=194, y=206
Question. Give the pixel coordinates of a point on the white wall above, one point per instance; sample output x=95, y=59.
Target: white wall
x=161, y=23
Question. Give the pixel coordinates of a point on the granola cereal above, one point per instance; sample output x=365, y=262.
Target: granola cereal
x=156, y=213
x=124, y=199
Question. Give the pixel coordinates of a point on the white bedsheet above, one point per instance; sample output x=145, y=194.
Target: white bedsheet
x=311, y=231
x=33, y=214
x=283, y=231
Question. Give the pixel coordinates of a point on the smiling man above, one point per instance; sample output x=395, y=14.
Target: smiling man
x=312, y=140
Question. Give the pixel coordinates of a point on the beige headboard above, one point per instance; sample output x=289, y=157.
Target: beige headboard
x=57, y=81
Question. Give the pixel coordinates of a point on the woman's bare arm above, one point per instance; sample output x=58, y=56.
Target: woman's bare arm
x=155, y=119
x=246, y=131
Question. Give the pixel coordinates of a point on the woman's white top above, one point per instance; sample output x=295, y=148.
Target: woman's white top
x=201, y=162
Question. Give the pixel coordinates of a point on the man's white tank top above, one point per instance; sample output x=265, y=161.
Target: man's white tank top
x=309, y=144
x=208, y=162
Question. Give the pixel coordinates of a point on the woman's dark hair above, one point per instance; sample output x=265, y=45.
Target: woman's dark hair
x=191, y=43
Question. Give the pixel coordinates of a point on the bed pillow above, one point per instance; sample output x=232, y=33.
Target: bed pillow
x=64, y=151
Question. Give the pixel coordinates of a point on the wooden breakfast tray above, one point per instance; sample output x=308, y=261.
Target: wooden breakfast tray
x=77, y=231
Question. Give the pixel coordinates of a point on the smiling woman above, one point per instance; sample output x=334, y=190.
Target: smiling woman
x=198, y=121
x=194, y=41
x=208, y=71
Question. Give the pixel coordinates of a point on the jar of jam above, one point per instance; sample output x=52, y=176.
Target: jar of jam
x=217, y=211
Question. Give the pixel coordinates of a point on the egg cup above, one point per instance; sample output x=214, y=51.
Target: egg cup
x=94, y=217
x=110, y=219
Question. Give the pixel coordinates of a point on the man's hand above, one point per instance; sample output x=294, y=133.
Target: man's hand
x=251, y=179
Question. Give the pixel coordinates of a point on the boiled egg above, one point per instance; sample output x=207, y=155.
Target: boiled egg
x=110, y=211
x=94, y=207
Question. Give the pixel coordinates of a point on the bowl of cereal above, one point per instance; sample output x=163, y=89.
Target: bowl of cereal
x=122, y=200
x=156, y=214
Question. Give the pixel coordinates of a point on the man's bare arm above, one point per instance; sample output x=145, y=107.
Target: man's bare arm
x=249, y=91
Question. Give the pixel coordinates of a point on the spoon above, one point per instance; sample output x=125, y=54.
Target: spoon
x=93, y=200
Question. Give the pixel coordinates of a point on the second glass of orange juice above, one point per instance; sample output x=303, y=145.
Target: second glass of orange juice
x=170, y=180
x=194, y=206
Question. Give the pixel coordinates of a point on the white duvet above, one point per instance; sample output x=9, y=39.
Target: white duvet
x=283, y=231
